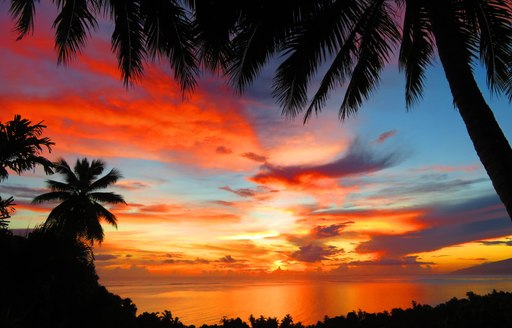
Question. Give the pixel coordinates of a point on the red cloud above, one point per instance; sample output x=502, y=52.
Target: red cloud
x=384, y=136
x=150, y=121
x=357, y=161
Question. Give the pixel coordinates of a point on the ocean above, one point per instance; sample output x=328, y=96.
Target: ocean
x=306, y=300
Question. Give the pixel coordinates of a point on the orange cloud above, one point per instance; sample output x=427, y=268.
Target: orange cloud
x=149, y=121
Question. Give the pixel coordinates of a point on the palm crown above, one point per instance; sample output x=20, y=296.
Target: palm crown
x=21, y=146
x=81, y=208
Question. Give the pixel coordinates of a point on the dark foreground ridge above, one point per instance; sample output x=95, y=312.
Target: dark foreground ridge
x=50, y=281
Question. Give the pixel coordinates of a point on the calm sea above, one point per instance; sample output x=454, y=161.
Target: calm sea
x=198, y=302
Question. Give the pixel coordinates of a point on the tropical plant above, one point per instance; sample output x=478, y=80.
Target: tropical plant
x=6, y=207
x=81, y=209
x=353, y=40
x=21, y=146
x=143, y=30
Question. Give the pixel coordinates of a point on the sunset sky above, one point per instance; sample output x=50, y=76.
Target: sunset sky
x=218, y=183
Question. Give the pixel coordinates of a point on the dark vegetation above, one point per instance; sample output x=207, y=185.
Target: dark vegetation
x=49, y=281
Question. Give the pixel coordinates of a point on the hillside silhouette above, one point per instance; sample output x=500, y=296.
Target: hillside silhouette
x=49, y=280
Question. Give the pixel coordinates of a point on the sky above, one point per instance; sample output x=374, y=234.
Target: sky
x=220, y=184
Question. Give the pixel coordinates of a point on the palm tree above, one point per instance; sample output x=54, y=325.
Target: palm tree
x=355, y=39
x=81, y=209
x=21, y=147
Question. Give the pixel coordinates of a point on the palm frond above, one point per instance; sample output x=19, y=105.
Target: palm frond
x=169, y=34
x=72, y=25
x=59, y=186
x=6, y=208
x=93, y=232
x=464, y=26
x=87, y=172
x=107, y=197
x=377, y=43
x=105, y=214
x=51, y=196
x=213, y=35
x=109, y=179
x=62, y=167
x=493, y=25
x=23, y=12
x=316, y=40
x=3, y=173
x=416, y=51
x=128, y=38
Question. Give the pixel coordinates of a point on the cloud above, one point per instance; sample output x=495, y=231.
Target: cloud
x=384, y=136
x=426, y=185
x=259, y=193
x=242, y=192
x=332, y=230
x=223, y=203
x=198, y=260
x=434, y=238
x=118, y=273
x=315, y=252
x=101, y=119
x=406, y=260
x=22, y=191
x=405, y=265
x=228, y=259
x=223, y=150
x=131, y=185
x=449, y=169
x=254, y=157
x=504, y=242
x=105, y=257
x=357, y=161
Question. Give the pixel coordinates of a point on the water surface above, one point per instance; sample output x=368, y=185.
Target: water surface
x=207, y=301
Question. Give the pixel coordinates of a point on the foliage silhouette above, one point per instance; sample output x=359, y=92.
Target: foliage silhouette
x=49, y=280
x=355, y=39
x=142, y=30
x=21, y=147
x=80, y=210
x=6, y=208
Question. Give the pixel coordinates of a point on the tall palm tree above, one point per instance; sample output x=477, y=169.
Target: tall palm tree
x=355, y=39
x=81, y=208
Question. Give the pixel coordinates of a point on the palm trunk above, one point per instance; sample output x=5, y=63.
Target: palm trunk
x=490, y=143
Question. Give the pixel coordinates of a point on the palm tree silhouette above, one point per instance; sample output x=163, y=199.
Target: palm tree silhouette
x=354, y=40
x=21, y=147
x=81, y=209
